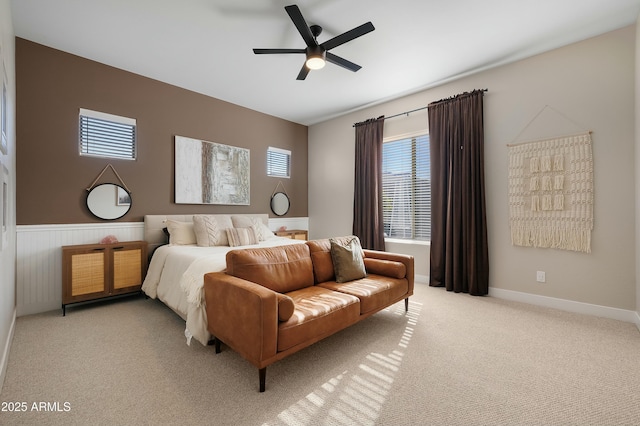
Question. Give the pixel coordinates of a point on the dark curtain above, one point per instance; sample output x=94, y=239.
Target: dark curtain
x=459, y=249
x=367, y=197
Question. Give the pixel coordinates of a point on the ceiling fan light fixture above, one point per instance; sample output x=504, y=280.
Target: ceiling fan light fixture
x=315, y=58
x=315, y=63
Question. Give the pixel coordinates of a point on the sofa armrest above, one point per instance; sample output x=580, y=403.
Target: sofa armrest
x=243, y=315
x=405, y=259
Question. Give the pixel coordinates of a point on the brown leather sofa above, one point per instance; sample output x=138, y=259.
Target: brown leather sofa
x=272, y=302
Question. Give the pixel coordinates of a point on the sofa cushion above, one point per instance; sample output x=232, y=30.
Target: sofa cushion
x=347, y=259
x=321, y=257
x=389, y=268
x=319, y=312
x=374, y=291
x=282, y=268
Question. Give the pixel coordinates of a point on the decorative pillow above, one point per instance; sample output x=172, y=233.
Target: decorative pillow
x=348, y=260
x=262, y=231
x=180, y=233
x=242, y=221
x=241, y=236
x=211, y=230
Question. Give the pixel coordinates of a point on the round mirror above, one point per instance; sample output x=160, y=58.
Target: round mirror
x=108, y=201
x=280, y=203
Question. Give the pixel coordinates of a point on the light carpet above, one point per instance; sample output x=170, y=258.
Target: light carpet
x=453, y=359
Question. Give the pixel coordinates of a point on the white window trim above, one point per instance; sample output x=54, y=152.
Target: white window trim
x=280, y=151
x=407, y=241
x=406, y=135
x=108, y=117
x=87, y=113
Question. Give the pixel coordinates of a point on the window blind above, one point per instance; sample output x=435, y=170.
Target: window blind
x=107, y=135
x=278, y=162
x=406, y=188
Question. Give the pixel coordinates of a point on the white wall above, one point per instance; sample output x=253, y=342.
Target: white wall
x=8, y=253
x=591, y=83
x=637, y=158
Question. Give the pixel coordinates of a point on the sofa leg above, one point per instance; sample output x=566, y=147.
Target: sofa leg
x=217, y=344
x=262, y=373
x=406, y=304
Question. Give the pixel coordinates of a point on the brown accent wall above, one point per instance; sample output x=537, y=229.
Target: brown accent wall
x=52, y=178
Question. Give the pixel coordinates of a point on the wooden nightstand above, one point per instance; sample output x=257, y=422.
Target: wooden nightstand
x=96, y=271
x=294, y=234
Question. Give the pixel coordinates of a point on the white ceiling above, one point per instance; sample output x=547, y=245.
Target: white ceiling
x=206, y=45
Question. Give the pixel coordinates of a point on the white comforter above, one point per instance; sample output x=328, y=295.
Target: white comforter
x=176, y=277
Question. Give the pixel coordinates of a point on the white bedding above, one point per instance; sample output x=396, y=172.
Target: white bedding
x=176, y=276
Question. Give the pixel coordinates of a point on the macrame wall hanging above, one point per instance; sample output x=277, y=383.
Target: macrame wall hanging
x=551, y=192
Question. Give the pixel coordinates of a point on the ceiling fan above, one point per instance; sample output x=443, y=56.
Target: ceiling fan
x=316, y=53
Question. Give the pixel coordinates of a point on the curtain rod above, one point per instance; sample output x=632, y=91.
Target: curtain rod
x=414, y=110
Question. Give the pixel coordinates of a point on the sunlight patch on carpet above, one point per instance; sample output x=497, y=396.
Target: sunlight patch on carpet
x=357, y=398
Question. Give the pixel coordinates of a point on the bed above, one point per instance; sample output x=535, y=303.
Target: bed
x=178, y=263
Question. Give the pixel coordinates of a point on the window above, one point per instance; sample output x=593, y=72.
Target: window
x=278, y=162
x=107, y=135
x=406, y=188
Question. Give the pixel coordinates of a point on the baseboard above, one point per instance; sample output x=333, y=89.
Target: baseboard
x=39, y=307
x=7, y=350
x=422, y=279
x=567, y=305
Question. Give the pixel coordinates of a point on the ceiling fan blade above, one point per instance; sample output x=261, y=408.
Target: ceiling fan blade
x=272, y=51
x=301, y=25
x=348, y=36
x=303, y=72
x=334, y=59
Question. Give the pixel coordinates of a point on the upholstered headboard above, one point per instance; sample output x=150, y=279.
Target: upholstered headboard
x=155, y=223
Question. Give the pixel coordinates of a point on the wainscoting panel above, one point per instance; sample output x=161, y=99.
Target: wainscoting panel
x=39, y=259
x=289, y=222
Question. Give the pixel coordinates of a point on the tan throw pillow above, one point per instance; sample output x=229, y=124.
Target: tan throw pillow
x=180, y=233
x=211, y=230
x=241, y=236
x=348, y=260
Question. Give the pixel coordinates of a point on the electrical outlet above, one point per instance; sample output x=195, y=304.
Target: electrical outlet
x=540, y=276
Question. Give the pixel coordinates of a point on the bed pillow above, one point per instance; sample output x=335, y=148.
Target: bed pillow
x=241, y=236
x=262, y=231
x=210, y=230
x=180, y=233
x=348, y=260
